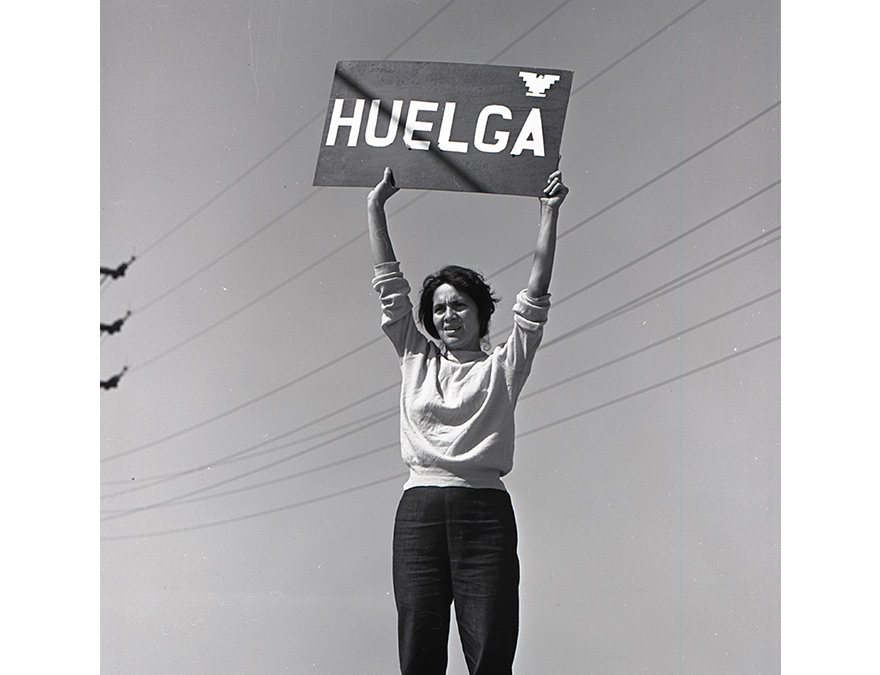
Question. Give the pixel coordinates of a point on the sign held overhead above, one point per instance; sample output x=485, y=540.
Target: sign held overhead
x=443, y=126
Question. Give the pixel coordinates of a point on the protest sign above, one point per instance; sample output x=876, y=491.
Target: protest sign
x=443, y=126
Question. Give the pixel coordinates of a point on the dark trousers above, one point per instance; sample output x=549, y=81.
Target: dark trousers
x=456, y=545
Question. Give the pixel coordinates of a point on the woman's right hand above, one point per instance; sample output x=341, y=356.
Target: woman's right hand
x=384, y=190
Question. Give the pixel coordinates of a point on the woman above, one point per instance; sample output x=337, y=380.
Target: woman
x=455, y=535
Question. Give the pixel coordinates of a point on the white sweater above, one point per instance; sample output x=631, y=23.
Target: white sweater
x=457, y=409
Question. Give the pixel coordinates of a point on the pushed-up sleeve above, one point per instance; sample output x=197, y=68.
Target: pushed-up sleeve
x=529, y=313
x=397, y=317
x=529, y=317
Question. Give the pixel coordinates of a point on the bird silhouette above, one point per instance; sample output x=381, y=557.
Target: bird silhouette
x=537, y=84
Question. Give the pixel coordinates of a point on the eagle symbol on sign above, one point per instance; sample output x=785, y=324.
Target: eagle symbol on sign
x=537, y=84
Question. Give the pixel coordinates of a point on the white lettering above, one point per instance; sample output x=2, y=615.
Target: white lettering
x=337, y=120
x=414, y=124
x=501, y=137
x=531, y=136
x=373, y=116
x=446, y=131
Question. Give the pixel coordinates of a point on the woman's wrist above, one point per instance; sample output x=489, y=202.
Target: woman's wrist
x=375, y=203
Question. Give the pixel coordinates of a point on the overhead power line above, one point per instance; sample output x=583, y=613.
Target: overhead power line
x=713, y=265
x=311, y=194
x=329, y=364
x=249, y=452
x=690, y=277
x=644, y=390
x=116, y=326
x=595, y=215
x=255, y=486
x=653, y=345
x=287, y=507
x=228, y=252
x=632, y=51
x=543, y=20
x=318, y=115
x=401, y=476
x=115, y=272
x=699, y=272
x=251, y=472
x=381, y=416
x=497, y=272
x=296, y=275
x=338, y=249
x=654, y=251
x=247, y=403
x=113, y=382
x=648, y=184
x=670, y=242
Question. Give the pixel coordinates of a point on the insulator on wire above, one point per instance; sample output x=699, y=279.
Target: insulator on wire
x=115, y=272
x=113, y=382
x=116, y=326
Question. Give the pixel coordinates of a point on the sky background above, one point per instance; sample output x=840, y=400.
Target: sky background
x=249, y=469
x=52, y=71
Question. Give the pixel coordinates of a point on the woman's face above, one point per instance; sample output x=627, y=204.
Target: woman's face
x=456, y=319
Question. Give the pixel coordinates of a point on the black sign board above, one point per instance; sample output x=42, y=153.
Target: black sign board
x=444, y=126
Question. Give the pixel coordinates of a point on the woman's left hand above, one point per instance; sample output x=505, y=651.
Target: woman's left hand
x=555, y=191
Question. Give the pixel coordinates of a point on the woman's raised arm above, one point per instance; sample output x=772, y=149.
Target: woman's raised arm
x=545, y=250
x=380, y=242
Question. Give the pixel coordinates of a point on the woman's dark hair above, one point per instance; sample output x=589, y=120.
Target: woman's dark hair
x=464, y=280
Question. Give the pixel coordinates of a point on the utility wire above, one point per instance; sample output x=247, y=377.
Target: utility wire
x=116, y=326
x=528, y=32
x=670, y=242
x=400, y=476
x=334, y=361
x=272, y=290
x=523, y=257
x=308, y=196
x=287, y=507
x=256, y=486
x=113, y=382
x=204, y=268
x=653, y=251
x=653, y=345
x=697, y=273
x=245, y=404
x=227, y=253
x=646, y=185
x=576, y=226
x=638, y=47
x=115, y=272
x=359, y=236
x=418, y=30
x=708, y=268
x=566, y=380
x=371, y=421
x=318, y=115
x=259, y=469
x=658, y=385
x=248, y=452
